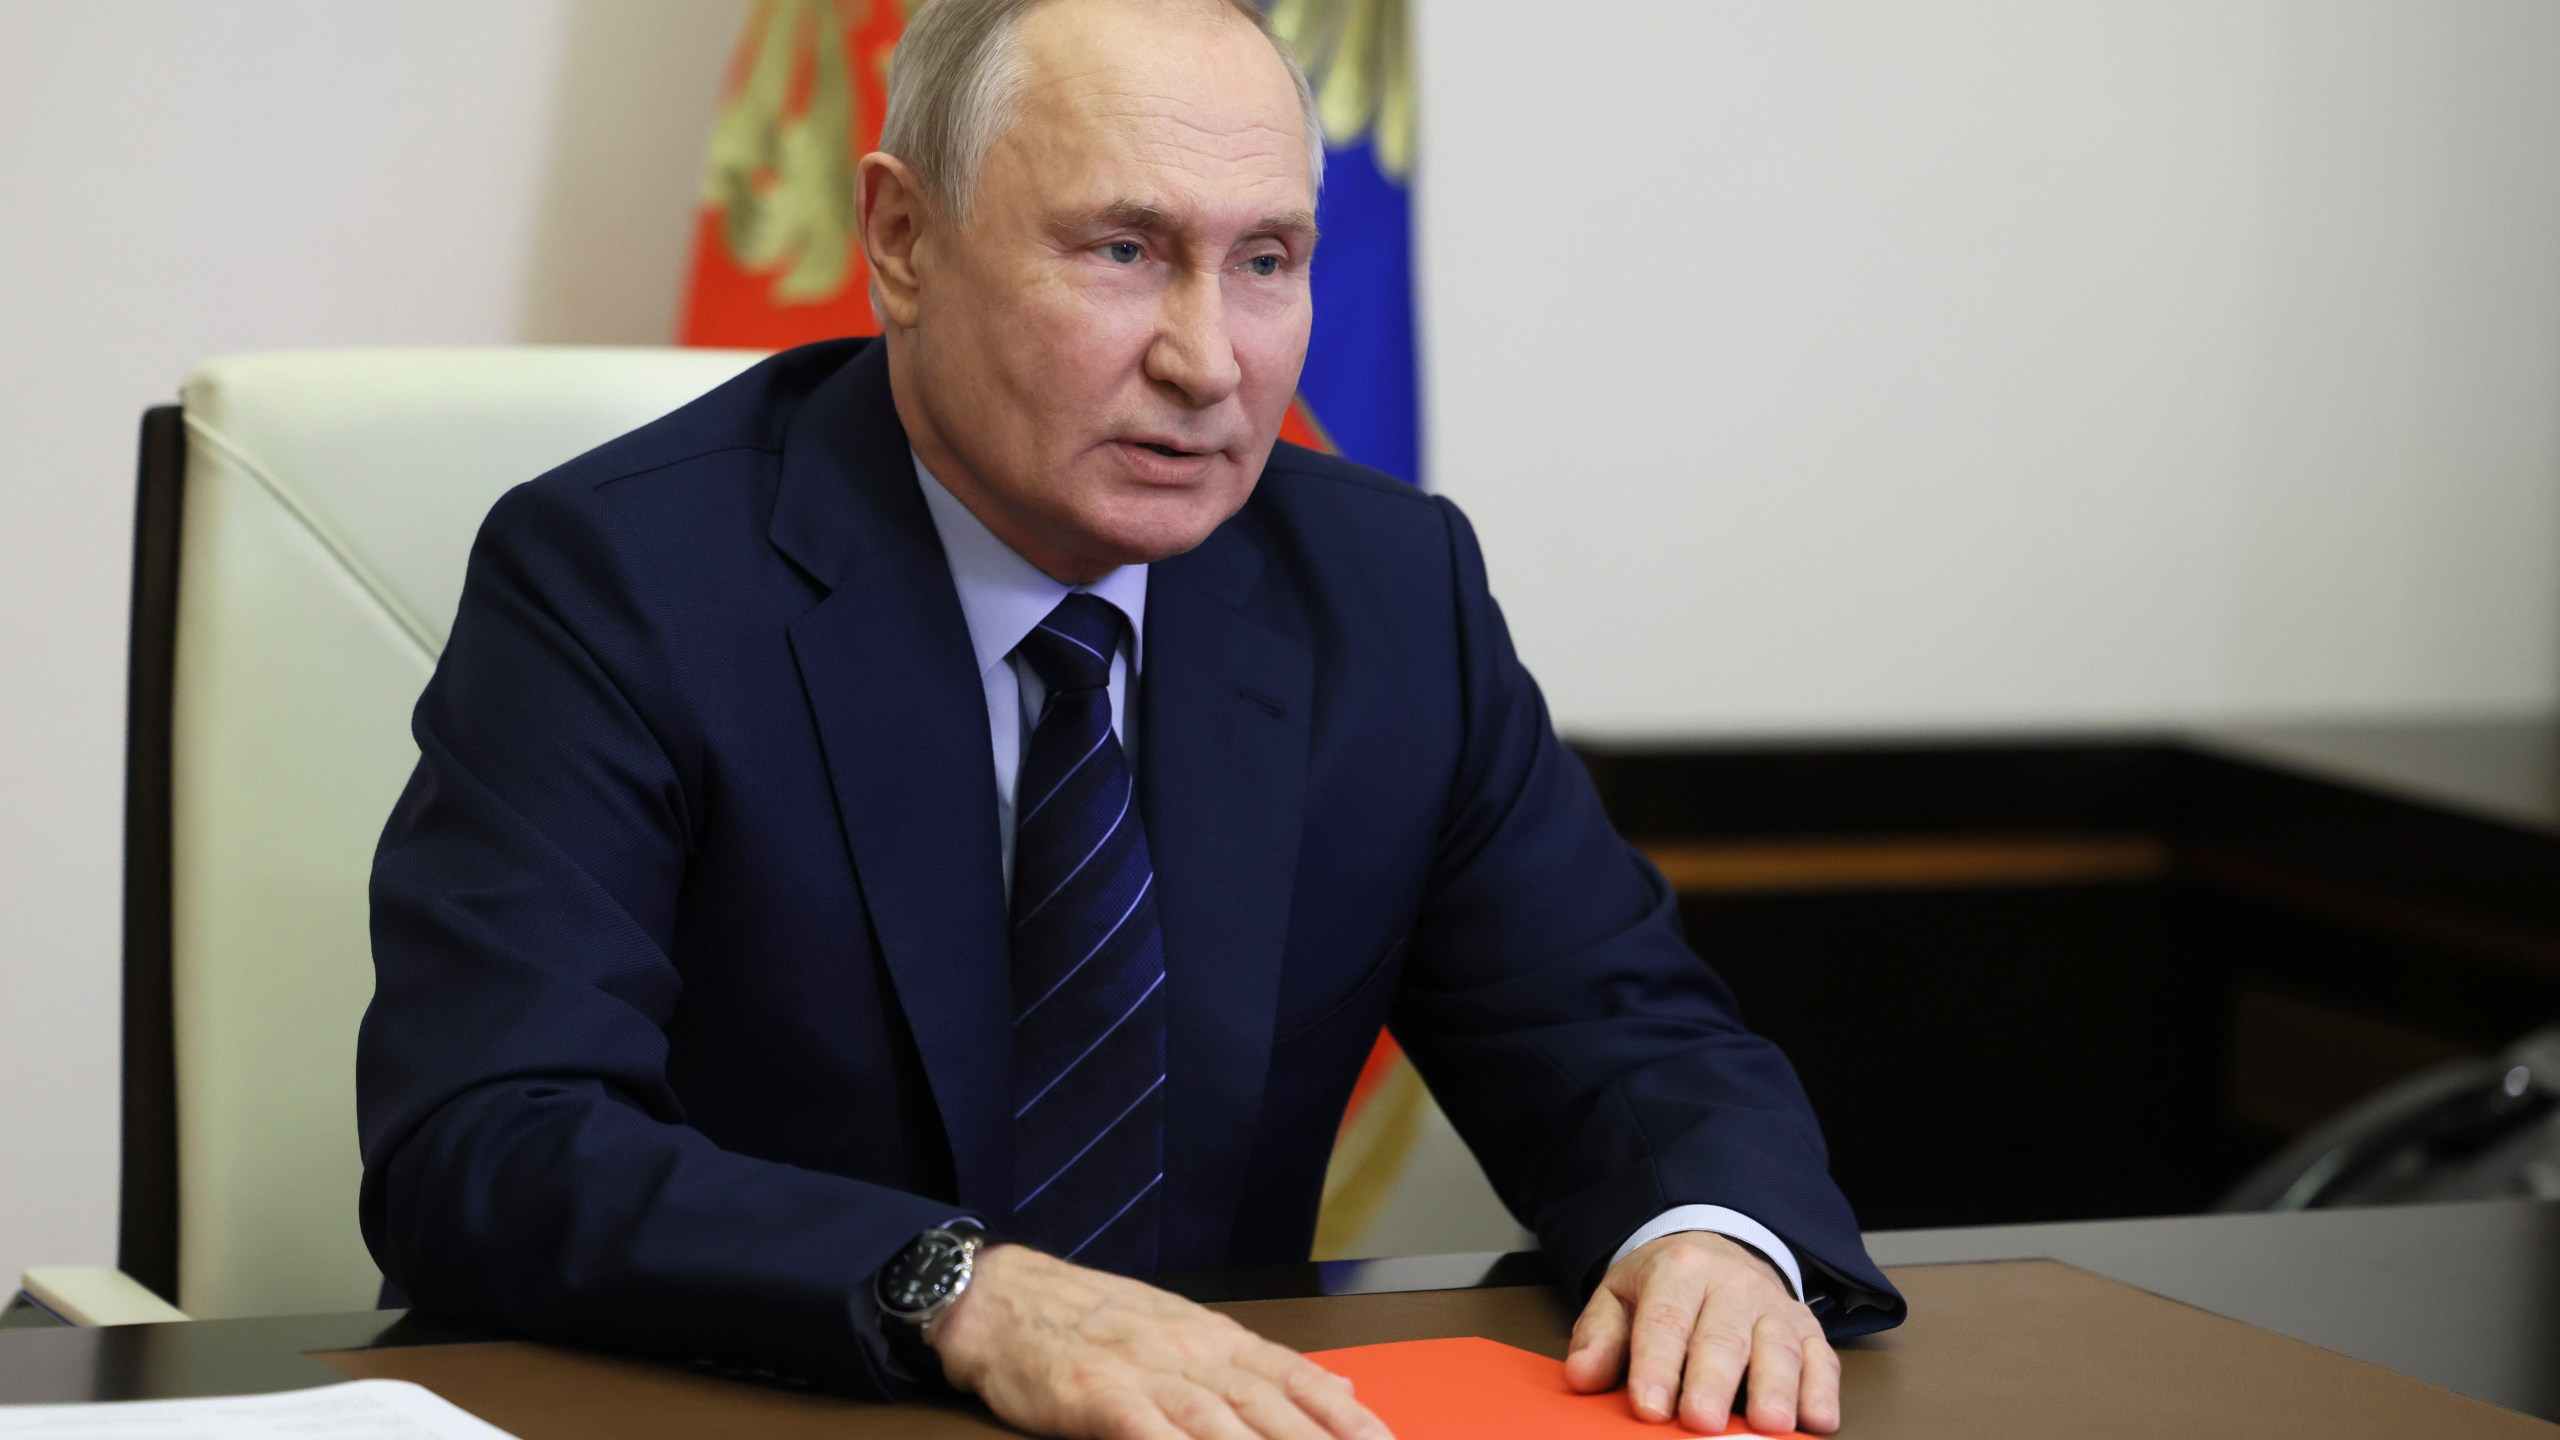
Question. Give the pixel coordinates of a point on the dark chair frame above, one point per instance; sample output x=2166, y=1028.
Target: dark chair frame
x=147, y=1225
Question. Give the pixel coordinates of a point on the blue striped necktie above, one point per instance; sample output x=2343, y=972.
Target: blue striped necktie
x=1088, y=967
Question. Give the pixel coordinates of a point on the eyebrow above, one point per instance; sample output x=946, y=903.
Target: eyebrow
x=1300, y=223
x=1154, y=219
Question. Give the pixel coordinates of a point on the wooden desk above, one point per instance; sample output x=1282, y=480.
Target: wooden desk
x=2466, y=1296
x=2463, y=1296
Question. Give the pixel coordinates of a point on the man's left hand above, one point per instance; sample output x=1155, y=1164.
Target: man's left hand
x=1685, y=1319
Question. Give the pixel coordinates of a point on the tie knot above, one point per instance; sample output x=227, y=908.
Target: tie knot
x=1071, y=650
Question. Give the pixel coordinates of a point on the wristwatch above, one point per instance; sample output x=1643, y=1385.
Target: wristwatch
x=927, y=1278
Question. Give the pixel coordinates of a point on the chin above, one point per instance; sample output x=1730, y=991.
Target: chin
x=1152, y=525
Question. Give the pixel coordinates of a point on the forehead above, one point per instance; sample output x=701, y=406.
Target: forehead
x=1169, y=102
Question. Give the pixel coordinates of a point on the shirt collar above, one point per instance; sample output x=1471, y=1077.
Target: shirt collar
x=1003, y=596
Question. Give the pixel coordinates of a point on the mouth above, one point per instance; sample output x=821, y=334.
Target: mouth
x=1157, y=460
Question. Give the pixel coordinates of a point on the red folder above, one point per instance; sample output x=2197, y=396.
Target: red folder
x=1481, y=1390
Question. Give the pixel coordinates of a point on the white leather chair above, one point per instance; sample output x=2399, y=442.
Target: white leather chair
x=302, y=532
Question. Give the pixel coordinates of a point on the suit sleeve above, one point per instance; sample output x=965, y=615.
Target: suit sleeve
x=1597, y=1067
x=526, y=1162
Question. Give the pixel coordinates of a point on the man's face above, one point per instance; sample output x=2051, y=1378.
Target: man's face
x=1104, y=348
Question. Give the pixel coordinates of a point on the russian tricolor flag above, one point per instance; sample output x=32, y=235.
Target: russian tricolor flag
x=1361, y=394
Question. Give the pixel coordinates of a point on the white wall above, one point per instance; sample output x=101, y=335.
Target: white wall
x=1866, y=364
x=1842, y=365
x=179, y=180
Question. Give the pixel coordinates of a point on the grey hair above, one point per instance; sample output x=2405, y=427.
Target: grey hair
x=957, y=74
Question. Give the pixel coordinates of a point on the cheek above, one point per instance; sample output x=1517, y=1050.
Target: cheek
x=1079, y=347
x=1271, y=318
x=1272, y=351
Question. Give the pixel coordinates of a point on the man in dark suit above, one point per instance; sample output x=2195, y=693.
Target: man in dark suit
x=925, y=835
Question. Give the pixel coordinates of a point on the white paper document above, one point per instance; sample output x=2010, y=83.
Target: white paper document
x=356, y=1410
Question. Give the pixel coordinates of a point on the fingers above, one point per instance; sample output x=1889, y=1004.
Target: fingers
x=1717, y=1352
x=1777, y=1368
x=1273, y=1412
x=1239, y=1404
x=1322, y=1397
x=1328, y=1398
x=1660, y=1337
x=1818, y=1400
x=1598, y=1355
x=1205, y=1414
x=1128, y=1416
x=1055, y=1350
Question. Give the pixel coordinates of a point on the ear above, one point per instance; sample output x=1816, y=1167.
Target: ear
x=890, y=209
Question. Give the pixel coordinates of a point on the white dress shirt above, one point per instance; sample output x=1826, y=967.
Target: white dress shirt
x=1004, y=597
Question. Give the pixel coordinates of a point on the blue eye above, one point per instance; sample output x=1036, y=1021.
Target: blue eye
x=1122, y=252
x=1265, y=265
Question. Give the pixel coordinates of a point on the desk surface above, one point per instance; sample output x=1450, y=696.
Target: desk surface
x=2463, y=1296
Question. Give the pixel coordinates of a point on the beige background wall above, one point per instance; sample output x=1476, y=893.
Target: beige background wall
x=1842, y=366
x=1990, y=362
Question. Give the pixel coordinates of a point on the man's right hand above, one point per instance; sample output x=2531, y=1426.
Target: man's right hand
x=1057, y=1349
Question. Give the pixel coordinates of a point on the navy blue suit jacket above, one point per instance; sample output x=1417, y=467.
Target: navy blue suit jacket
x=690, y=928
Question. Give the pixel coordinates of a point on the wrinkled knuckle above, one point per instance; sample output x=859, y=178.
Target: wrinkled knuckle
x=1688, y=1262
x=1328, y=1395
x=1662, y=1322
x=1121, y=1414
x=1775, y=1416
x=1195, y=1410
x=1306, y=1377
x=1722, y=1340
x=1240, y=1388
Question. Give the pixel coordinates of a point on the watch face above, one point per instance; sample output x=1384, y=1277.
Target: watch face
x=924, y=1272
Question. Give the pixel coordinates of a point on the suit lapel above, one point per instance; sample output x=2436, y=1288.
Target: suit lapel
x=1222, y=758
x=901, y=715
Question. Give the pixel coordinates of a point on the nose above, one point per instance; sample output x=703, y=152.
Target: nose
x=1193, y=353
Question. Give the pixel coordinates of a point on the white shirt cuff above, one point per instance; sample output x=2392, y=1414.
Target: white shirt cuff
x=1717, y=1220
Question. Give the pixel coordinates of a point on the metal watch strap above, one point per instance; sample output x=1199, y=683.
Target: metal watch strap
x=904, y=1331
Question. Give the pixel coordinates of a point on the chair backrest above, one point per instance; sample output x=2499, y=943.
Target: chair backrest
x=318, y=529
